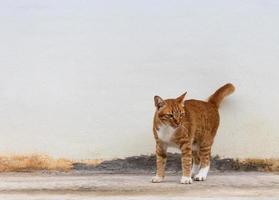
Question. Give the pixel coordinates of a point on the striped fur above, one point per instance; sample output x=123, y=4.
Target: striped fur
x=187, y=124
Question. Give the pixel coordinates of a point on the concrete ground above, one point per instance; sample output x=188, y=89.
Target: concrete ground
x=229, y=185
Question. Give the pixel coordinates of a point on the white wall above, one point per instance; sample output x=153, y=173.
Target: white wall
x=77, y=78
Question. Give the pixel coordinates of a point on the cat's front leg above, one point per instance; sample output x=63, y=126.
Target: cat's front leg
x=186, y=161
x=161, y=159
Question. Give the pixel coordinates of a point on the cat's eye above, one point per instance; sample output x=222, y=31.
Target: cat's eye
x=168, y=115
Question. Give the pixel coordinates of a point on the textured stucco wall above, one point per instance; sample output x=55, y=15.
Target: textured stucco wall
x=77, y=78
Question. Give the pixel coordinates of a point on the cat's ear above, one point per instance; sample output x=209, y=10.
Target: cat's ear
x=159, y=102
x=181, y=98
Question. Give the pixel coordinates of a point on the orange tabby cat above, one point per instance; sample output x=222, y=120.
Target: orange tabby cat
x=190, y=126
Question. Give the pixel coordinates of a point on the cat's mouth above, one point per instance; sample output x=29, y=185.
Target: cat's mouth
x=175, y=125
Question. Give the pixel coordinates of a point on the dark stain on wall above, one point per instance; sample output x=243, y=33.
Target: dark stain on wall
x=146, y=163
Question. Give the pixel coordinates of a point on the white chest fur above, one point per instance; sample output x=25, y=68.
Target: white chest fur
x=165, y=133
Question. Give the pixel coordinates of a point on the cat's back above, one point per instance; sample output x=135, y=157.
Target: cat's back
x=200, y=106
x=205, y=113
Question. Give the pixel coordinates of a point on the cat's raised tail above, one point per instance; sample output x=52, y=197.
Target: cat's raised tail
x=221, y=93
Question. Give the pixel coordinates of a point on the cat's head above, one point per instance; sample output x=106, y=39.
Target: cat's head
x=170, y=111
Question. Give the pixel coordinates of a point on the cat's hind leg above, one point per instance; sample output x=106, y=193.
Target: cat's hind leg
x=205, y=153
x=196, y=163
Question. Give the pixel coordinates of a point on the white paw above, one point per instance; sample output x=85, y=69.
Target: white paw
x=157, y=179
x=201, y=176
x=195, y=170
x=186, y=180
